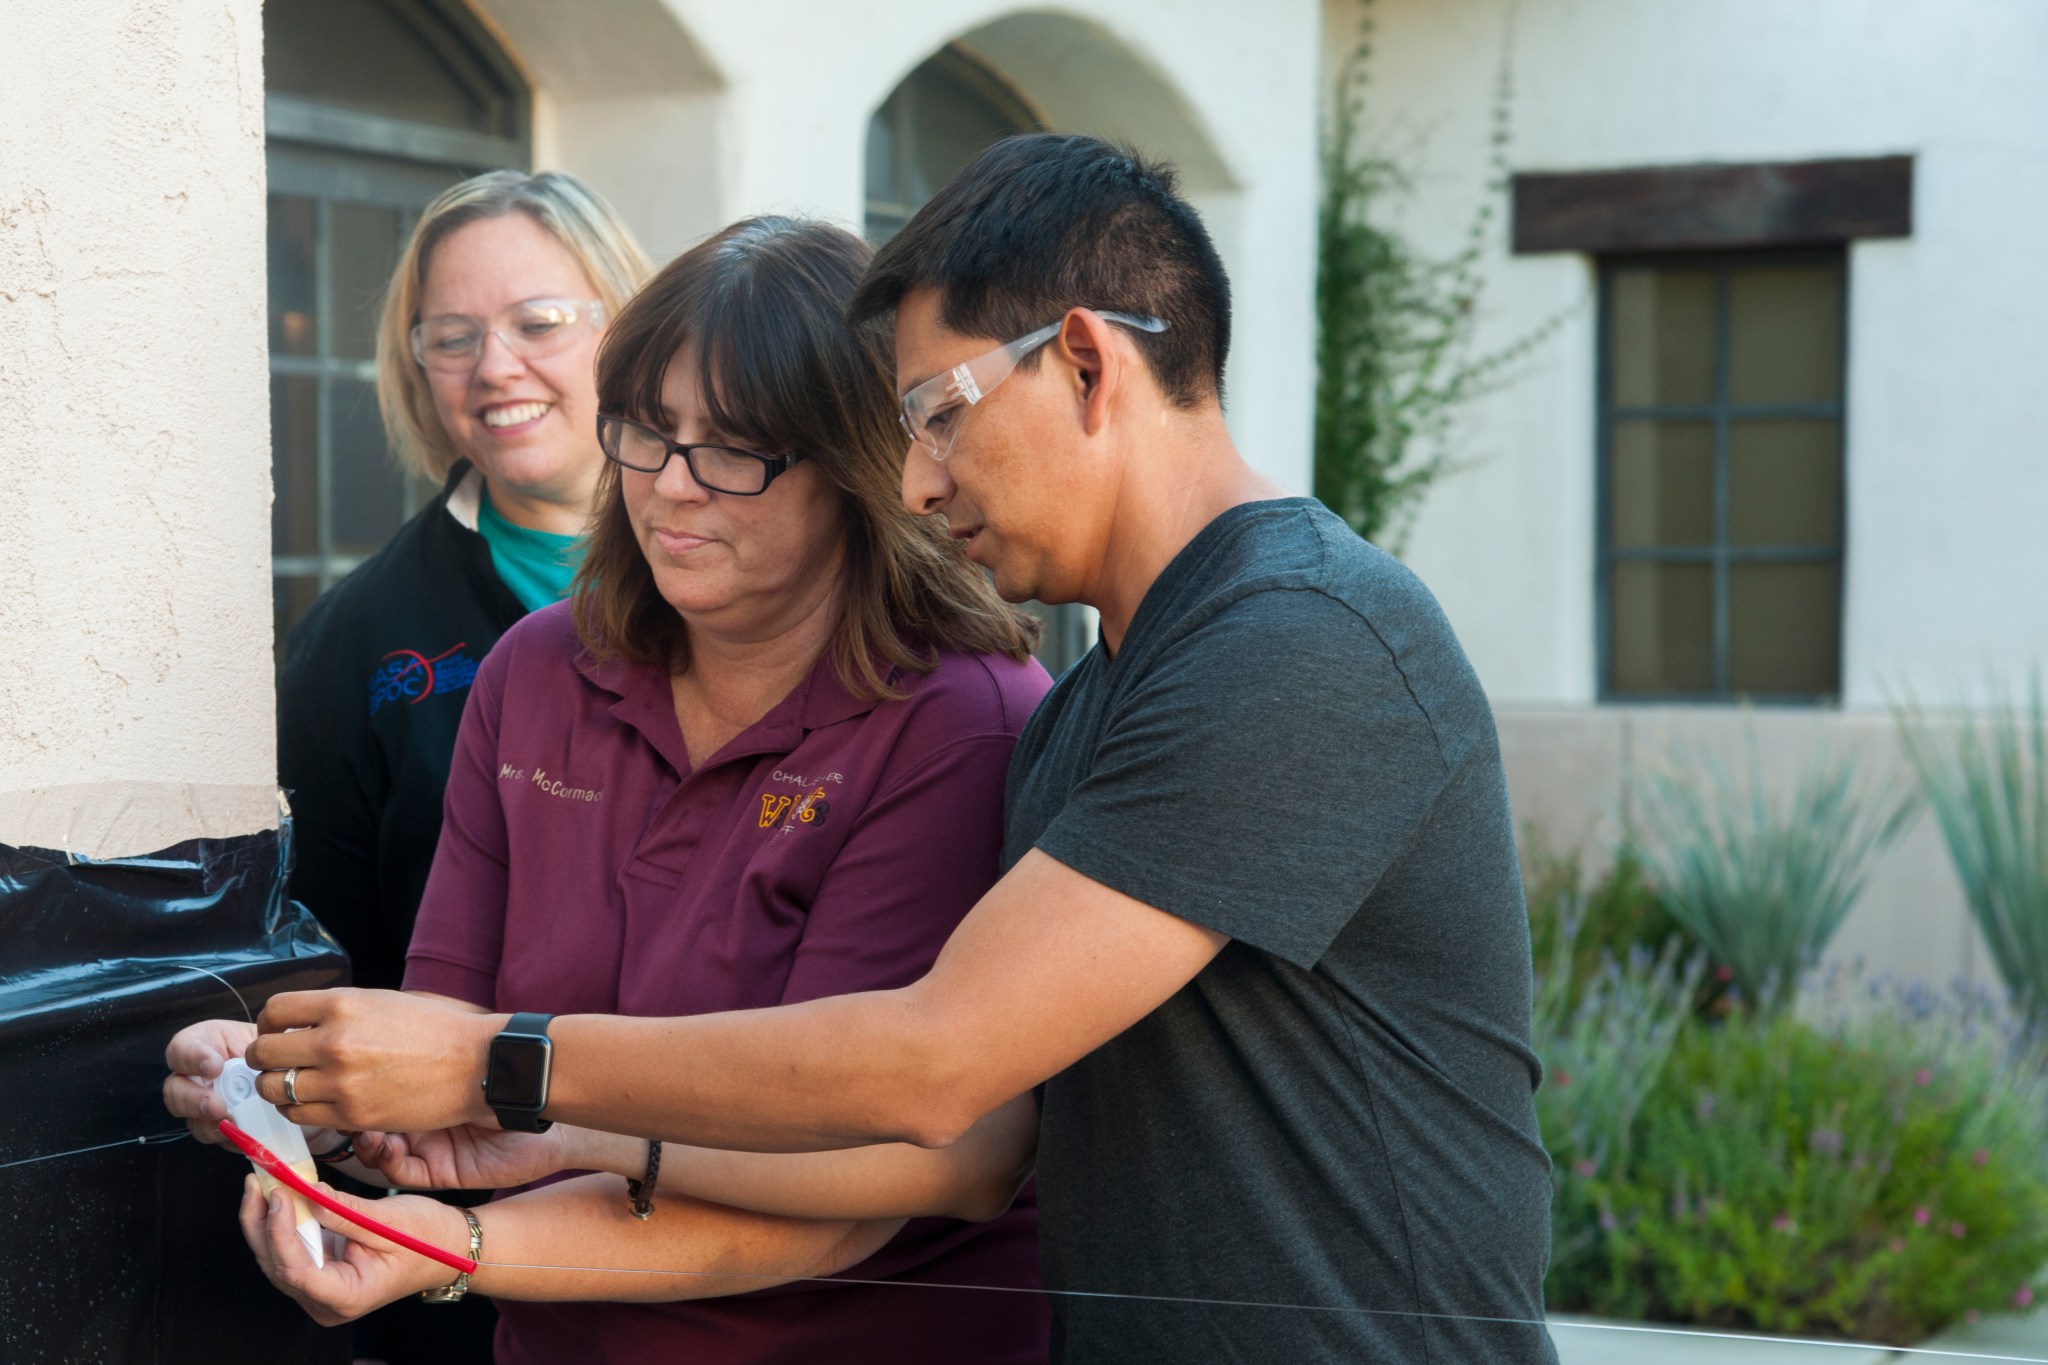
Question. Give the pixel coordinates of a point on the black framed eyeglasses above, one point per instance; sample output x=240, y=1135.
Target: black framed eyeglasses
x=722, y=469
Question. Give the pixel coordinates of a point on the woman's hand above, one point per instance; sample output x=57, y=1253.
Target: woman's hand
x=397, y=1063
x=371, y=1272
x=466, y=1158
x=200, y=1051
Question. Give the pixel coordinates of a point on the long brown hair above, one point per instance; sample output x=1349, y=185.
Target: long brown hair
x=761, y=308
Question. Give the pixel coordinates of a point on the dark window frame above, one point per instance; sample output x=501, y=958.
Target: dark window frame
x=1719, y=555
x=331, y=155
x=473, y=59
x=899, y=110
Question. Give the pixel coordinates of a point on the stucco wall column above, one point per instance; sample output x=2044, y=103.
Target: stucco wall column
x=135, y=625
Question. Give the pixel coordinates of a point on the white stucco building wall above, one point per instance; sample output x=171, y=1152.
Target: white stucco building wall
x=135, y=663
x=1946, y=441
x=136, y=704
x=694, y=113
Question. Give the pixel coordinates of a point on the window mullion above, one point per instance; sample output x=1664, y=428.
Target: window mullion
x=1603, y=491
x=323, y=401
x=1721, y=479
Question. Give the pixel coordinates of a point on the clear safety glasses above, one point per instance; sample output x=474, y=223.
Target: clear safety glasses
x=531, y=330
x=934, y=411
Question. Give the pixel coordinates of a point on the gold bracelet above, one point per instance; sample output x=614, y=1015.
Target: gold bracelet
x=449, y=1293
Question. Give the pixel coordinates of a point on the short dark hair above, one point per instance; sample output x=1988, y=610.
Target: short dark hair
x=1043, y=222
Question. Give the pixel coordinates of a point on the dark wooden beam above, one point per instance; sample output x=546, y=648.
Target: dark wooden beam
x=1688, y=208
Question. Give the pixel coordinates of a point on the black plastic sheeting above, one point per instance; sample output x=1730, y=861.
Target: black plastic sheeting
x=132, y=1254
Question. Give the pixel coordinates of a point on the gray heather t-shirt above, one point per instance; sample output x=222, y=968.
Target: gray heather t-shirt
x=1337, y=1113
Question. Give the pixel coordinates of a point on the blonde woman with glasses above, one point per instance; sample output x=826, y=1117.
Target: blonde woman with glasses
x=486, y=357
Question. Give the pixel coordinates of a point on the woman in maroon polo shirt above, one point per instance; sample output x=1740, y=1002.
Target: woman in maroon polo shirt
x=760, y=761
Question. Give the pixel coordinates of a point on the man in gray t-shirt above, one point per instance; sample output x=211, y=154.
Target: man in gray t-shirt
x=1289, y=748
x=1258, y=945
x=1257, y=841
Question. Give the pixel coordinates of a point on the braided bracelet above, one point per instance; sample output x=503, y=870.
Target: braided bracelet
x=640, y=1193
x=339, y=1154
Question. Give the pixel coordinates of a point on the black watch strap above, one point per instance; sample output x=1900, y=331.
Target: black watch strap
x=521, y=1114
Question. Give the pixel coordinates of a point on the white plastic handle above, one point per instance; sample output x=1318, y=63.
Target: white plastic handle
x=259, y=1118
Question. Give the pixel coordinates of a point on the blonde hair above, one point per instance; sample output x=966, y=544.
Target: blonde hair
x=567, y=210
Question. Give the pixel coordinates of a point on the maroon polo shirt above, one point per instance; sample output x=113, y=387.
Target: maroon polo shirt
x=585, y=868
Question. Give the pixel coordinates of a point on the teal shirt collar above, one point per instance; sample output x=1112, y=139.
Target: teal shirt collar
x=536, y=565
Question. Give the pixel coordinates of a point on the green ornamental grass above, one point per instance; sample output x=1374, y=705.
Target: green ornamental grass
x=1762, y=882
x=1608, y=917
x=1987, y=782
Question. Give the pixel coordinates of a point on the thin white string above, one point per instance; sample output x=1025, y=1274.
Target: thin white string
x=157, y=1139
x=247, y=1013
x=147, y=1140
x=1550, y=1324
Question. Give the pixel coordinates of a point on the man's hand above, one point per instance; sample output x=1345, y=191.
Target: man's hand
x=465, y=1158
x=197, y=1052
x=371, y=1272
x=381, y=1060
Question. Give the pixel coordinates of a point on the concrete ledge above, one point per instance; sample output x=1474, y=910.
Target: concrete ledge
x=1605, y=1341
x=1575, y=775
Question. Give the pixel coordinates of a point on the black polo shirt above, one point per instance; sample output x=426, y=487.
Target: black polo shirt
x=374, y=681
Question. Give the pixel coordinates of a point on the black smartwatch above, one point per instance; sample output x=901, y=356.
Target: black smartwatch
x=516, y=1078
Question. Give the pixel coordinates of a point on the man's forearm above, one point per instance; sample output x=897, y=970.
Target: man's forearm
x=1048, y=967
x=687, y=1250
x=1045, y=969
x=840, y=1072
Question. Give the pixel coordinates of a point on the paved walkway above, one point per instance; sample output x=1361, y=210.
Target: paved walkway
x=1600, y=1341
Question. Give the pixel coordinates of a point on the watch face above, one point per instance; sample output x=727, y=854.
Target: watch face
x=518, y=1074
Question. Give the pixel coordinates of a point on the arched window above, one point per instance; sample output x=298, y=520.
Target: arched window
x=941, y=117
x=372, y=107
